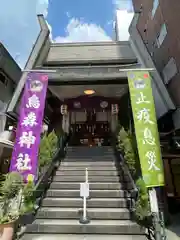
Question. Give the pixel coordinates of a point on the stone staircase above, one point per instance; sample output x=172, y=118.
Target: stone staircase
x=58, y=217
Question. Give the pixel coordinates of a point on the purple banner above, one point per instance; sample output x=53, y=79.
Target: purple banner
x=26, y=147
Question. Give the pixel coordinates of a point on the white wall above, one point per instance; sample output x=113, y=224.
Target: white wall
x=123, y=20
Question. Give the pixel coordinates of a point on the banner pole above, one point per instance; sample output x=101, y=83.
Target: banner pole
x=120, y=70
x=39, y=70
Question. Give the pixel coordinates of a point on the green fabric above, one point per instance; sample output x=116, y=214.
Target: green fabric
x=145, y=122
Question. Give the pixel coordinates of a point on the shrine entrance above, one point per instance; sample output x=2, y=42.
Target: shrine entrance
x=90, y=128
x=90, y=121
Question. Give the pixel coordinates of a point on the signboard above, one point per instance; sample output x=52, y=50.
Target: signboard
x=25, y=153
x=153, y=201
x=147, y=136
x=84, y=190
x=114, y=108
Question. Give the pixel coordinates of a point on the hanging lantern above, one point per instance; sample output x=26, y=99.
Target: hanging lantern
x=44, y=128
x=114, y=108
x=64, y=109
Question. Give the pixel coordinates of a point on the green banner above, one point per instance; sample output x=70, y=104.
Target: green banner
x=145, y=122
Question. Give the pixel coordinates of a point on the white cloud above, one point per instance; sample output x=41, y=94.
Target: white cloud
x=79, y=31
x=19, y=27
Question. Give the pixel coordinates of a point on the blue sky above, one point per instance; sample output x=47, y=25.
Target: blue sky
x=68, y=20
x=98, y=12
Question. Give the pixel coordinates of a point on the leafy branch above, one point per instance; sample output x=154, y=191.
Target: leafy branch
x=127, y=145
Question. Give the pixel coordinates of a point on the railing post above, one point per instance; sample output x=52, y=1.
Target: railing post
x=86, y=179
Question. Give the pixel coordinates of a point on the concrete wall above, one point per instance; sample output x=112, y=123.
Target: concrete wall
x=8, y=65
x=90, y=52
x=12, y=73
x=6, y=91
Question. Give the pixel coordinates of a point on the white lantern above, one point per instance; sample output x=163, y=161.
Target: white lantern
x=64, y=109
x=44, y=128
x=114, y=108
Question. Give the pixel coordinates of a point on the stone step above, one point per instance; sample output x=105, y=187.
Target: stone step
x=75, y=213
x=91, y=203
x=90, y=154
x=92, y=186
x=90, y=168
x=94, y=227
x=90, y=159
x=93, y=193
x=84, y=164
x=76, y=172
x=90, y=178
x=91, y=149
x=88, y=147
x=82, y=237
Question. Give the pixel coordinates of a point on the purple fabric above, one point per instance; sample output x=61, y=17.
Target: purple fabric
x=26, y=147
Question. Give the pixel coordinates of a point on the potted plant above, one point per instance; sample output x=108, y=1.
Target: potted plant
x=9, y=204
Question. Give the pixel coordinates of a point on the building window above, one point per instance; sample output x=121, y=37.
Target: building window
x=3, y=79
x=155, y=6
x=170, y=70
x=162, y=35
